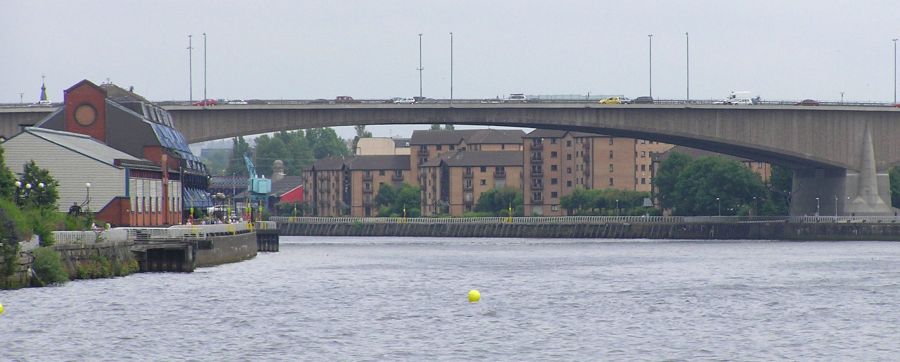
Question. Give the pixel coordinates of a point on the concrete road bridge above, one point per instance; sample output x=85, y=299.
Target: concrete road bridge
x=836, y=152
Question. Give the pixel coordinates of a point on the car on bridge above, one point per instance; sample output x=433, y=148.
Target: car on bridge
x=406, y=100
x=615, y=100
x=643, y=100
x=808, y=102
x=206, y=102
x=345, y=99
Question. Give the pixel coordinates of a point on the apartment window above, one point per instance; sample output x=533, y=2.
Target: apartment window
x=536, y=196
x=553, y=154
x=610, y=154
x=380, y=172
x=468, y=183
x=568, y=143
x=536, y=142
x=553, y=141
x=367, y=186
x=568, y=156
x=568, y=183
x=568, y=170
x=610, y=167
x=554, y=207
x=483, y=169
x=643, y=153
x=537, y=168
x=553, y=168
x=643, y=167
x=398, y=173
x=610, y=181
x=483, y=182
x=423, y=148
x=554, y=181
x=438, y=147
x=643, y=181
x=422, y=160
x=452, y=147
x=554, y=195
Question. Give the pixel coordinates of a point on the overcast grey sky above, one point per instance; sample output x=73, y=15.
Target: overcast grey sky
x=369, y=49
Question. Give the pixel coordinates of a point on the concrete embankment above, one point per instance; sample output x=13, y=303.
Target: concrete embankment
x=691, y=231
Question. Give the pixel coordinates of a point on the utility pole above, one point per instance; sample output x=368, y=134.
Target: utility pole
x=650, y=38
x=20, y=97
x=190, y=70
x=204, y=66
x=420, y=65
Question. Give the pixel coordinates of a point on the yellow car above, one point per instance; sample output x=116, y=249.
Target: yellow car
x=614, y=100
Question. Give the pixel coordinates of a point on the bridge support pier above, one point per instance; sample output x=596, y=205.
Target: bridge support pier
x=840, y=189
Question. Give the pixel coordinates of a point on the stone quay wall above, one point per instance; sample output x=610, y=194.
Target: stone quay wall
x=686, y=231
x=222, y=249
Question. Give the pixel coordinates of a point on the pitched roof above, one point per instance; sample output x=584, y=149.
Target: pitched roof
x=286, y=184
x=460, y=158
x=329, y=164
x=379, y=162
x=555, y=133
x=82, y=144
x=118, y=94
x=471, y=136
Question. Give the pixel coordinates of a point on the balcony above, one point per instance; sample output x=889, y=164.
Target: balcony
x=537, y=146
x=537, y=160
x=538, y=201
x=468, y=187
x=499, y=174
x=468, y=174
x=423, y=152
x=396, y=177
x=537, y=174
x=367, y=191
x=367, y=177
x=539, y=186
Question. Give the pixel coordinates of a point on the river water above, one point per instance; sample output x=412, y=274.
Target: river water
x=405, y=299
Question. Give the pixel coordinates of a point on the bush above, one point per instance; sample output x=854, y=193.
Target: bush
x=48, y=267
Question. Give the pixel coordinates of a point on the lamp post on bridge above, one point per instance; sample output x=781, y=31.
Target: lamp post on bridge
x=190, y=71
x=650, y=38
x=420, y=65
x=817, y=206
x=719, y=203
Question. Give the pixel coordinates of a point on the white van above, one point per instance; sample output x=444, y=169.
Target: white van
x=738, y=98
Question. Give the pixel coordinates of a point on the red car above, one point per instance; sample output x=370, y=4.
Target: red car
x=808, y=102
x=206, y=102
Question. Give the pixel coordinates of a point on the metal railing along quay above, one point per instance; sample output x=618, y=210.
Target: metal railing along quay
x=538, y=220
x=181, y=232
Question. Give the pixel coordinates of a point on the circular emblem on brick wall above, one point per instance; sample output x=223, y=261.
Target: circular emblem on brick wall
x=85, y=114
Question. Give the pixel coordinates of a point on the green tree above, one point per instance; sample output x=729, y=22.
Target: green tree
x=7, y=180
x=667, y=176
x=268, y=150
x=710, y=185
x=360, y=133
x=325, y=143
x=43, y=193
x=498, y=201
x=391, y=200
x=780, y=184
x=236, y=163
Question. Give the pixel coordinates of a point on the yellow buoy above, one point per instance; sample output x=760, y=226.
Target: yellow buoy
x=474, y=296
x=1, y=308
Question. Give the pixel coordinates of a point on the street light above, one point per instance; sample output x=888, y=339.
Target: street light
x=755, y=207
x=835, y=206
x=617, y=207
x=817, y=206
x=719, y=202
x=687, y=66
x=420, y=65
x=895, y=69
x=204, y=66
x=451, y=68
x=190, y=70
x=87, y=197
x=650, y=38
